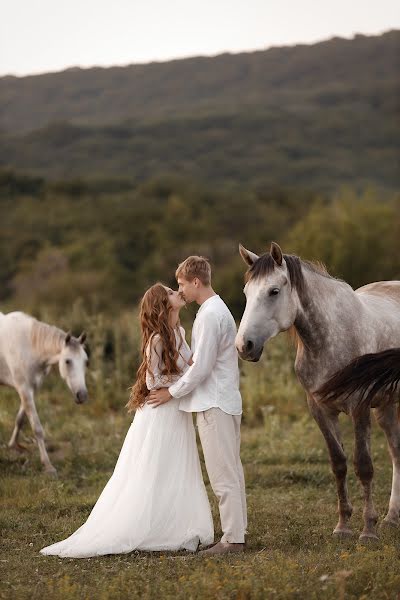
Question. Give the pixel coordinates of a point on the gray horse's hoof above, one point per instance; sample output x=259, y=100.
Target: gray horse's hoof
x=342, y=532
x=390, y=523
x=366, y=538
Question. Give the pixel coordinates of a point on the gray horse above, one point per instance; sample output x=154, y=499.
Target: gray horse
x=28, y=349
x=332, y=325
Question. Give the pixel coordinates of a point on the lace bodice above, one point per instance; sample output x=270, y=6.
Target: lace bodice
x=155, y=348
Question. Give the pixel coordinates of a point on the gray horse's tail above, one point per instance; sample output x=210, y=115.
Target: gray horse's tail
x=365, y=376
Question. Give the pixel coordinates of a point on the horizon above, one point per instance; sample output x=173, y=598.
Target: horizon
x=47, y=38
x=75, y=67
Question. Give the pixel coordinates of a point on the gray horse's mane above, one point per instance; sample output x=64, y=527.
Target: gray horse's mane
x=266, y=265
x=46, y=339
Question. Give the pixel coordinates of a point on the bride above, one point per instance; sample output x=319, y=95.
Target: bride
x=156, y=498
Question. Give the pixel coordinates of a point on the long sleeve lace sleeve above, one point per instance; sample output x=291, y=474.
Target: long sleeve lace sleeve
x=156, y=379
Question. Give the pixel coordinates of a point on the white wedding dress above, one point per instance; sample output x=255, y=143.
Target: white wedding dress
x=155, y=498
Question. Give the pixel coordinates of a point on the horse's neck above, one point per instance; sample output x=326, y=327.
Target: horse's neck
x=47, y=341
x=323, y=323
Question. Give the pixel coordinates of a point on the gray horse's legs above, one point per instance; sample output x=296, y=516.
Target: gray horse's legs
x=387, y=418
x=329, y=426
x=28, y=403
x=19, y=420
x=364, y=470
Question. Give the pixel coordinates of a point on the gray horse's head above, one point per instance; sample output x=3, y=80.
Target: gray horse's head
x=72, y=364
x=270, y=305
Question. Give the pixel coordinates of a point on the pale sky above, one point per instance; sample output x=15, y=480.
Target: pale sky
x=38, y=36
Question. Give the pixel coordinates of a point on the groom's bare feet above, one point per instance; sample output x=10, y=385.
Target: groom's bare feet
x=222, y=548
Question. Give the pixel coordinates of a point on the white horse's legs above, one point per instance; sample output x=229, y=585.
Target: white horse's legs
x=388, y=419
x=19, y=420
x=28, y=403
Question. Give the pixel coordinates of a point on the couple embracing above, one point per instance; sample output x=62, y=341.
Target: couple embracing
x=156, y=499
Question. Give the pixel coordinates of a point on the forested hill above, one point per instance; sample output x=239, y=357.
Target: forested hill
x=316, y=116
x=320, y=73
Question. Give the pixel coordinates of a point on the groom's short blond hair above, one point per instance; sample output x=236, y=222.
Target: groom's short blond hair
x=195, y=266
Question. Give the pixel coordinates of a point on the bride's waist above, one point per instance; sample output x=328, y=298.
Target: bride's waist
x=171, y=405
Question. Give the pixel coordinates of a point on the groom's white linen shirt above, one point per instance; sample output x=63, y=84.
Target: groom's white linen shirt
x=213, y=379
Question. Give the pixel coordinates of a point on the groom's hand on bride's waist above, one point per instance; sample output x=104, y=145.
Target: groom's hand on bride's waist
x=157, y=397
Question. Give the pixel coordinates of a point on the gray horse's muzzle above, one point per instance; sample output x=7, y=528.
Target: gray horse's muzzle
x=250, y=349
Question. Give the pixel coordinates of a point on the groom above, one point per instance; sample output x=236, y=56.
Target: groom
x=212, y=387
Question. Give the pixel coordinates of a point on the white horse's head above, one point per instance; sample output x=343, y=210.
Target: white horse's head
x=270, y=305
x=72, y=364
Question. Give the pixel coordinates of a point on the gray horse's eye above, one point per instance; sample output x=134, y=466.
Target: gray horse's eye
x=273, y=292
x=68, y=362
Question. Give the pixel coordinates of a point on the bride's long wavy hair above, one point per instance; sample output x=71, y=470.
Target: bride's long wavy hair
x=155, y=310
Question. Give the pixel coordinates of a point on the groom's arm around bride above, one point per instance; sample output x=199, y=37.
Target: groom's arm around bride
x=210, y=387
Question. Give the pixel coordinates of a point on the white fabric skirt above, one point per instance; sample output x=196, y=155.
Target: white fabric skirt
x=156, y=499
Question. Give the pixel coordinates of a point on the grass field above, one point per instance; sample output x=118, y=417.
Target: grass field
x=291, y=500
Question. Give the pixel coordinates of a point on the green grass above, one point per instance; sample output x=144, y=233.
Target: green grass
x=291, y=501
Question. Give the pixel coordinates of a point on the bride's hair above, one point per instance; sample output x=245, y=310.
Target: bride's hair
x=155, y=309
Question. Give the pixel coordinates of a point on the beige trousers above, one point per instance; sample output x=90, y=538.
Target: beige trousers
x=220, y=439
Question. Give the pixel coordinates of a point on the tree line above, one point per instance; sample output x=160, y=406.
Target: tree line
x=106, y=243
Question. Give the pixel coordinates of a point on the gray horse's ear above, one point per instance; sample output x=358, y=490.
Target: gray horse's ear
x=68, y=338
x=248, y=257
x=82, y=337
x=276, y=253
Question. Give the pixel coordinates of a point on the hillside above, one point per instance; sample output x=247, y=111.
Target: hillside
x=294, y=77
x=319, y=116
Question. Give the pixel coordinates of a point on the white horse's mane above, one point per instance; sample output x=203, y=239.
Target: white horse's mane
x=46, y=339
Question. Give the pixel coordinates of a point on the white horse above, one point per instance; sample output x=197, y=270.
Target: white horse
x=333, y=325
x=28, y=349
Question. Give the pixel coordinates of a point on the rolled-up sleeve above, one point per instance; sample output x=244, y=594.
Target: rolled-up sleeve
x=204, y=358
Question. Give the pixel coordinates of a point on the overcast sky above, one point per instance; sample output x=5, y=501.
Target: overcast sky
x=37, y=36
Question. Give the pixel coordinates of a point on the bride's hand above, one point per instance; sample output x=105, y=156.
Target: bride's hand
x=158, y=396
x=190, y=361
